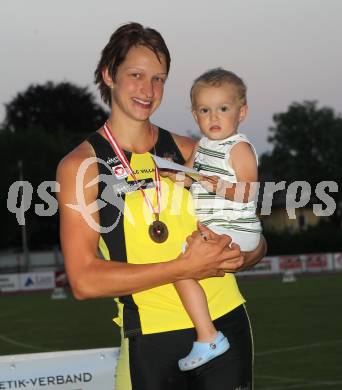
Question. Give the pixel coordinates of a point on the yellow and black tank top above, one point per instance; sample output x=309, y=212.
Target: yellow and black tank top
x=125, y=218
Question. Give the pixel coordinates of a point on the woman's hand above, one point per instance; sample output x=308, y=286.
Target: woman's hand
x=209, y=254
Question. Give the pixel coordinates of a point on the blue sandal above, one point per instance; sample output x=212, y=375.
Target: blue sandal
x=202, y=353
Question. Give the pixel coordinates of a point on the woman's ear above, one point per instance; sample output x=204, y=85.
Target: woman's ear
x=107, y=78
x=243, y=112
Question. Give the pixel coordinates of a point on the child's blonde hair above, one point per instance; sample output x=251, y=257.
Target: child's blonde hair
x=217, y=77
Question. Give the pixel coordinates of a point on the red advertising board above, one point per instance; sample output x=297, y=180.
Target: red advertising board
x=293, y=263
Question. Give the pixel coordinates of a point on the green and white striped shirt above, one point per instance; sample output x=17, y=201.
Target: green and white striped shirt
x=212, y=159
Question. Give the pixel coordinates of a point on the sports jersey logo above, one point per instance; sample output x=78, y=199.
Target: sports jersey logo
x=112, y=160
x=120, y=171
x=112, y=193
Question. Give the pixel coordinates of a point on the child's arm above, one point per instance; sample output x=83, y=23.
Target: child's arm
x=243, y=161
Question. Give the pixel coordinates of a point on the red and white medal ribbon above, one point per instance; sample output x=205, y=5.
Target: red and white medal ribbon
x=121, y=155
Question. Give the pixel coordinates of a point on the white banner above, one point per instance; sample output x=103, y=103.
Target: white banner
x=9, y=283
x=37, y=281
x=68, y=370
x=338, y=261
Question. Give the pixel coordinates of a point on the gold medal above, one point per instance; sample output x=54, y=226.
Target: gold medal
x=158, y=231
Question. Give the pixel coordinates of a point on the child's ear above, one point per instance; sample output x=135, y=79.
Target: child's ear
x=195, y=116
x=243, y=112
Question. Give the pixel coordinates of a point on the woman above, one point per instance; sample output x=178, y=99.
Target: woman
x=151, y=219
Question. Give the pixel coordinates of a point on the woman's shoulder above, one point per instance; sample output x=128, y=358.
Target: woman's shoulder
x=73, y=160
x=185, y=144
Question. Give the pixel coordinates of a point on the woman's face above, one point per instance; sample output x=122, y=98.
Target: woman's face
x=139, y=84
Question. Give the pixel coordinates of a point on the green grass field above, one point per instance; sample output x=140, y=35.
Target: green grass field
x=297, y=329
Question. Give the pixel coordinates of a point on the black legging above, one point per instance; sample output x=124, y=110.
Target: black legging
x=153, y=359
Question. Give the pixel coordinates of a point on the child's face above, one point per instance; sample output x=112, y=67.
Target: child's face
x=217, y=110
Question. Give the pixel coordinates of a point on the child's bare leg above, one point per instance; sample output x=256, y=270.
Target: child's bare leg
x=195, y=303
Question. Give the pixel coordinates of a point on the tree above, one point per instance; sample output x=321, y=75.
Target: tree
x=307, y=145
x=57, y=108
x=42, y=124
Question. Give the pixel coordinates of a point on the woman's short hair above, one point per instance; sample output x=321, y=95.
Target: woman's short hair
x=115, y=52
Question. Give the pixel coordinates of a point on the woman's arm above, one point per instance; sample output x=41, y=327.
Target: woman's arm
x=92, y=277
x=252, y=258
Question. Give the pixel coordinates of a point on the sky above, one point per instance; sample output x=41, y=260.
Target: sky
x=285, y=50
